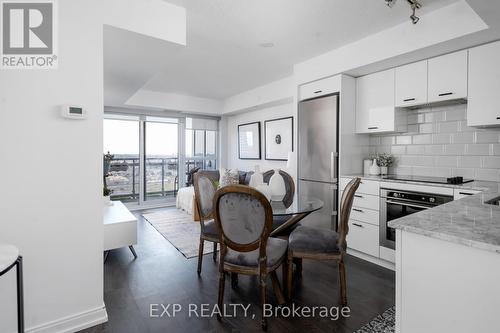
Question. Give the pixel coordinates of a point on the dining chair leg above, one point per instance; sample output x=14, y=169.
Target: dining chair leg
x=263, y=300
x=343, y=284
x=214, y=255
x=289, y=276
x=234, y=280
x=298, y=264
x=200, y=255
x=284, y=274
x=277, y=288
x=222, y=281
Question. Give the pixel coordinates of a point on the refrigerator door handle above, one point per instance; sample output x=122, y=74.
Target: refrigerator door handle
x=333, y=156
x=332, y=163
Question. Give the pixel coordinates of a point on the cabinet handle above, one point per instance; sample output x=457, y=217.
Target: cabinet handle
x=318, y=91
x=358, y=210
x=358, y=225
x=446, y=94
x=408, y=99
x=358, y=196
x=498, y=118
x=465, y=193
x=375, y=127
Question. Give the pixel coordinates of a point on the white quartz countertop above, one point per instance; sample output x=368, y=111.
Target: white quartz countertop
x=467, y=221
x=475, y=185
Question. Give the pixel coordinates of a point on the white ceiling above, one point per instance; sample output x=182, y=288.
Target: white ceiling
x=223, y=55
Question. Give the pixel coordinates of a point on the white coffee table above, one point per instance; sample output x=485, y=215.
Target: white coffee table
x=120, y=228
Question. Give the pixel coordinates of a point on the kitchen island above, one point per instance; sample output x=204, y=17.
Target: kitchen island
x=448, y=267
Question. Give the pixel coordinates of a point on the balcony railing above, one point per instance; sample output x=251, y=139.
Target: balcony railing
x=161, y=176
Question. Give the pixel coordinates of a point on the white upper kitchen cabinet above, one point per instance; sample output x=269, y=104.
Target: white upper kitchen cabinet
x=319, y=88
x=484, y=86
x=448, y=77
x=411, y=84
x=375, y=110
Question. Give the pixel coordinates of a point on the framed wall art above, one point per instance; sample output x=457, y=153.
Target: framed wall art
x=249, y=147
x=278, y=140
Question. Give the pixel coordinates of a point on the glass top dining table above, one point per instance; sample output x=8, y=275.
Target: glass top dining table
x=296, y=211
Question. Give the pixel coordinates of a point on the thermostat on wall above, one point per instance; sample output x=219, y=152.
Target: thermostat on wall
x=73, y=112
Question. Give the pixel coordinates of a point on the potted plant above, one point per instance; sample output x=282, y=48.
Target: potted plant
x=107, y=158
x=106, y=192
x=385, y=160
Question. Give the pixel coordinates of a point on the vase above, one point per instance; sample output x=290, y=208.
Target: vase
x=384, y=170
x=277, y=186
x=264, y=189
x=374, y=169
x=257, y=178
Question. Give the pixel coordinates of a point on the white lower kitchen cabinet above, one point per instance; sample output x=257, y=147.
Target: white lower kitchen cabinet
x=460, y=193
x=445, y=287
x=484, y=85
x=370, y=187
x=363, y=237
x=366, y=215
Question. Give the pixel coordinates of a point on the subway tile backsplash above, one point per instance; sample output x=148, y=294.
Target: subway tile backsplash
x=439, y=143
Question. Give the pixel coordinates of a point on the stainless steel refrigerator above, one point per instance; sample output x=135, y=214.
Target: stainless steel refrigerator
x=318, y=157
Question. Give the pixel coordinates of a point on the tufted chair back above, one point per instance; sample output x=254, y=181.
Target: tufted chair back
x=244, y=216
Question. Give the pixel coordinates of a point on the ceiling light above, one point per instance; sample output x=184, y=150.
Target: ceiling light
x=414, y=5
x=266, y=45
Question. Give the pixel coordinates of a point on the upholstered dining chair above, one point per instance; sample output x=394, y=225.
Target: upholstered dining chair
x=323, y=244
x=245, y=218
x=204, y=191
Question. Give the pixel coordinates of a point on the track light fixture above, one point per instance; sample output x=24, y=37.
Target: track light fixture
x=414, y=18
x=390, y=3
x=414, y=5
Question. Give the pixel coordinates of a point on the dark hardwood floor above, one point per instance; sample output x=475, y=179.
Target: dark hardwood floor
x=163, y=275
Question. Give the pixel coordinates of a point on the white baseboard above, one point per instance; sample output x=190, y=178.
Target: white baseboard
x=376, y=261
x=73, y=323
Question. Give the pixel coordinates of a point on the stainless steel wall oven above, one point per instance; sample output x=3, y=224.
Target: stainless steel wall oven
x=395, y=204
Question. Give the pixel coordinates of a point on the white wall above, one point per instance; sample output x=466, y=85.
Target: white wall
x=231, y=127
x=52, y=178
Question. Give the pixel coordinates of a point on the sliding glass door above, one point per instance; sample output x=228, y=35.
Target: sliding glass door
x=149, y=157
x=161, y=159
x=121, y=159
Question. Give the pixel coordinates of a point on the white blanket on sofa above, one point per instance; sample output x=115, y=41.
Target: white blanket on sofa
x=185, y=197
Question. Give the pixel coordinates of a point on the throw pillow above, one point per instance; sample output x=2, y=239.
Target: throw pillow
x=228, y=177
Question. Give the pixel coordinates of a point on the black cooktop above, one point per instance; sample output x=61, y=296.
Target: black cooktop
x=425, y=179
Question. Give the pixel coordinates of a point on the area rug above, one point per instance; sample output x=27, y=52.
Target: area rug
x=180, y=230
x=383, y=323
